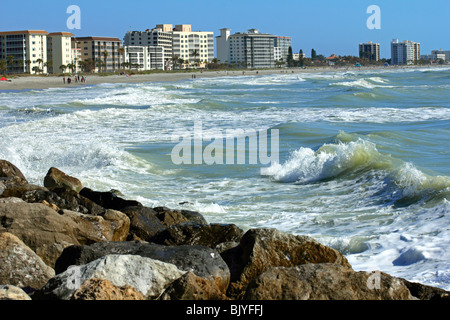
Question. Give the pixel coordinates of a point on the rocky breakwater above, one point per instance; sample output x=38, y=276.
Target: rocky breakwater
x=63, y=241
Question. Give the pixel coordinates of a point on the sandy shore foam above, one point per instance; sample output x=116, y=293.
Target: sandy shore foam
x=46, y=82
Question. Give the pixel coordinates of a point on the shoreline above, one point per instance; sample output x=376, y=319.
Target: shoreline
x=50, y=82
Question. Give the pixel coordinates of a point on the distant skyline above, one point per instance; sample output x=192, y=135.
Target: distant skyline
x=330, y=27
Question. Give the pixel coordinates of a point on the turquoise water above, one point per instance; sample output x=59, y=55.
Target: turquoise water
x=363, y=155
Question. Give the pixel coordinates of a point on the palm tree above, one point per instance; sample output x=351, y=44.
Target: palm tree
x=105, y=55
x=40, y=61
x=3, y=65
x=10, y=60
x=121, y=52
x=28, y=63
x=63, y=68
x=195, y=54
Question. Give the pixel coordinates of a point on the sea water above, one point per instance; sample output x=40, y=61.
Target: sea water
x=363, y=155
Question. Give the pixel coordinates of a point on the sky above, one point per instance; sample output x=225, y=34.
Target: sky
x=328, y=26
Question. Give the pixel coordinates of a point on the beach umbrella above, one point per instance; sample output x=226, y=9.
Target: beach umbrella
x=3, y=79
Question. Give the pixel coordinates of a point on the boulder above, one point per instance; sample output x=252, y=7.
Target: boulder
x=143, y=222
x=18, y=190
x=47, y=233
x=10, y=174
x=170, y=217
x=424, y=292
x=11, y=200
x=192, y=287
x=148, y=276
x=102, y=289
x=325, y=281
x=10, y=292
x=56, y=179
x=203, y=261
x=112, y=226
x=262, y=249
x=20, y=266
x=209, y=235
x=108, y=199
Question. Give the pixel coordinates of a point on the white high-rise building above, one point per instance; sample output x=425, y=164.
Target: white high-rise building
x=24, y=50
x=404, y=53
x=251, y=49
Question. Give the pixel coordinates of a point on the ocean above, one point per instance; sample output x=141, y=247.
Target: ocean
x=363, y=156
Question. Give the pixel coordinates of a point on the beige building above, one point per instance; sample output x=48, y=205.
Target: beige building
x=193, y=46
x=59, y=51
x=404, y=53
x=25, y=51
x=107, y=53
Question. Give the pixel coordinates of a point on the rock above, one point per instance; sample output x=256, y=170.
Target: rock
x=76, y=202
x=424, y=292
x=192, y=287
x=102, y=289
x=209, y=235
x=169, y=217
x=11, y=200
x=63, y=199
x=10, y=174
x=143, y=222
x=112, y=226
x=150, y=277
x=56, y=179
x=47, y=233
x=203, y=261
x=262, y=249
x=325, y=281
x=18, y=191
x=108, y=200
x=20, y=266
x=10, y=292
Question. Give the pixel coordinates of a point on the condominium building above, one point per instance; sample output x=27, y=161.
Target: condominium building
x=106, y=52
x=250, y=49
x=281, y=48
x=193, y=46
x=440, y=54
x=24, y=51
x=404, y=53
x=160, y=36
x=59, y=51
x=145, y=58
x=370, y=51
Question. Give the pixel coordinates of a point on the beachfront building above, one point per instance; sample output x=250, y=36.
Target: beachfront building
x=251, y=49
x=281, y=48
x=160, y=36
x=404, y=53
x=24, y=51
x=144, y=58
x=440, y=54
x=106, y=52
x=59, y=51
x=196, y=48
x=370, y=51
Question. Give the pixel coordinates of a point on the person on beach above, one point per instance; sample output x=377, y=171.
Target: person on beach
x=64, y=80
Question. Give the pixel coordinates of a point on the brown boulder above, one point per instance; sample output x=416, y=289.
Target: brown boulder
x=47, y=233
x=143, y=222
x=325, y=281
x=262, y=249
x=192, y=287
x=56, y=179
x=103, y=289
x=10, y=174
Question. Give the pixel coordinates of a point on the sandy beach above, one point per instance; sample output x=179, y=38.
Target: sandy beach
x=46, y=82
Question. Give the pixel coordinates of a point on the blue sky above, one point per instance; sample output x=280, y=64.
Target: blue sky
x=328, y=26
